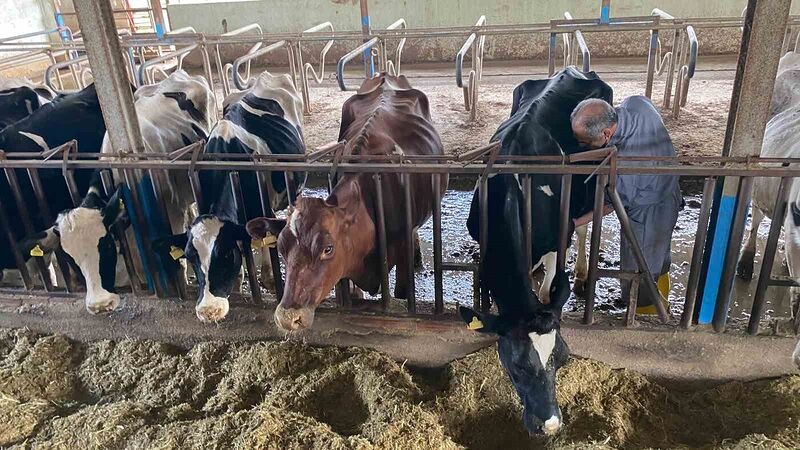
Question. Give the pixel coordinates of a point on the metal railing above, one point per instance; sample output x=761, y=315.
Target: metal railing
x=384, y=63
x=225, y=70
x=482, y=162
x=476, y=72
x=306, y=69
x=682, y=56
x=574, y=41
x=31, y=56
x=243, y=84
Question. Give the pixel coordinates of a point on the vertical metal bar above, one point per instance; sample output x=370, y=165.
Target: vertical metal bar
x=46, y=214
x=630, y=313
x=484, y=235
x=677, y=44
x=765, y=275
x=697, y=252
x=303, y=80
x=409, y=211
x=175, y=284
x=12, y=244
x=438, y=276
x=291, y=189
x=369, y=67
x=594, y=248
x=158, y=18
x=605, y=11
x=564, y=222
x=551, y=55
x=27, y=224
x=147, y=257
x=527, y=220
x=382, y=248
x=122, y=239
x=343, y=286
x=646, y=276
x=652, y=60
x=734, y=244
x=247, y=252
x=266, y=210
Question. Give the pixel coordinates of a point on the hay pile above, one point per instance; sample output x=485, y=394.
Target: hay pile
x=55, y=393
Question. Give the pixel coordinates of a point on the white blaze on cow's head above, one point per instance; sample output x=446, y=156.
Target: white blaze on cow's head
x=213, y=247
x=84, y=234
x=531, y=351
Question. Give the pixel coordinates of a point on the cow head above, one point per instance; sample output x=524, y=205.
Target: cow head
x=212, y=247
x=84, y=234
x=321, y=241
x=531, y=350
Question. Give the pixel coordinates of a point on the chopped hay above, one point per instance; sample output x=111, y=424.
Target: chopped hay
x=59, y=394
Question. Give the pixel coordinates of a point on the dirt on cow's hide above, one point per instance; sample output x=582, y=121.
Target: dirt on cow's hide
x=56, y=393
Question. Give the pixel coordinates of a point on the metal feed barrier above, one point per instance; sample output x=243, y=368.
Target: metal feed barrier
x=482, y=162
x=476, y=72
x=377, y=45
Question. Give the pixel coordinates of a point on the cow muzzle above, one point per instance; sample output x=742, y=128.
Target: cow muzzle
x=294, y=319
x=212, y=309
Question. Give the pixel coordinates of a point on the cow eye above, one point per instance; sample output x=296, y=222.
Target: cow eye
x=327, y=251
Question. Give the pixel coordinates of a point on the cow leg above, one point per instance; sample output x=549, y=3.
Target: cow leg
x=356, y=292
x=417, y=252
x=581, y=262
x=744, y=268
x=549, y=263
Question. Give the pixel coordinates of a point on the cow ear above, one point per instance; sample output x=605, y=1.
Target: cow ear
x=40, y=243
x=171, y=245
x=259, y=228
x=115, y=210
x=482, y=323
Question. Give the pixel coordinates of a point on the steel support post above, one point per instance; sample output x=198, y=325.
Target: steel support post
x=369, y=65
x=762, y=36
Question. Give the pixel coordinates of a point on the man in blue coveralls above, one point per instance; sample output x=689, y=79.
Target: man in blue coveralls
x=652, y=202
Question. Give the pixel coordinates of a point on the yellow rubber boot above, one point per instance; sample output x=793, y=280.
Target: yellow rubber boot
x=664, y=285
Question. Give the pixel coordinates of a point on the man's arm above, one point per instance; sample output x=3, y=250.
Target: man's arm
x=586, y=218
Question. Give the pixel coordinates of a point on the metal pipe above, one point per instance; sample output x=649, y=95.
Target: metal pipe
x=247, y=252
x=122, y=239
x=564, y=222
x=399, y=24
x=180, y=53
x=438, y=282
x=586, y=55
x=48, y=73
x=266, y=211
x=527, y=220
x=483, y=192
x=237, y=80
x=308, y=68
x=734, y=244
x=382, y=246
x=463, y=51
x=765, y=274
x=594, y=248
x=12, y=245
x=369, y=66
x=647, y=276
x=697, y=252
x=410, y=247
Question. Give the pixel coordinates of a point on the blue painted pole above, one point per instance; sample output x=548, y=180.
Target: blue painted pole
x=158, y=18
x=605, y=11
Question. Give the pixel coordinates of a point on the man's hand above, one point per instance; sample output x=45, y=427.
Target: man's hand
x=586, y=218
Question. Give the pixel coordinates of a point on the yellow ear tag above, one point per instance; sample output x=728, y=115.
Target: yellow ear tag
x=475, y=324
x=121, y=204
x=269, y=241
x=175, y=252
x=37, y=251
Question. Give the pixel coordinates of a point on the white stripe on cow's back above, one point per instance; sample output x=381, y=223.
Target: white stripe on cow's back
x=544, y=345
x=281, y=89
x=227, y=131
x=36, y=138
x=204, y=234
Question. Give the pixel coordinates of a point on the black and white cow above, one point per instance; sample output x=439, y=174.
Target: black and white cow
x=539, y=125
x=530, y=347
x=264, y=119
x=172, y=114
x=75, y=116
x=19, y=98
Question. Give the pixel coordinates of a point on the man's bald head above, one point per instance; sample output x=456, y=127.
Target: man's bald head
x=593, y=122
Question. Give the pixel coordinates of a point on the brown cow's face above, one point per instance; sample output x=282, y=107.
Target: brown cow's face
x=319, y=244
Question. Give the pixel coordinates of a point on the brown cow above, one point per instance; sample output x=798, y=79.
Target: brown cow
x=328, y=240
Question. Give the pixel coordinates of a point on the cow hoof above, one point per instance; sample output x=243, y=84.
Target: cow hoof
x=104, y=305
x=744, y=269
x=212, y=311
x=579, y=287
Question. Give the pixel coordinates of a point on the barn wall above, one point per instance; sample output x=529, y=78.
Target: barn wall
x=296, y=15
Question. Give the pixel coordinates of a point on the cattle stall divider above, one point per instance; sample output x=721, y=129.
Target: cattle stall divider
x=384, y=63
x=476, y=72
x=483, y=163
